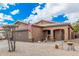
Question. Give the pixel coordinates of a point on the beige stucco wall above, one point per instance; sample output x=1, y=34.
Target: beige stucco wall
x=71, y=33
x=37, y=33
x=22, y=26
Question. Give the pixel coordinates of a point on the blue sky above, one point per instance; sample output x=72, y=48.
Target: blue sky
x=25, y=10
x=60, y=18
x=10, y=13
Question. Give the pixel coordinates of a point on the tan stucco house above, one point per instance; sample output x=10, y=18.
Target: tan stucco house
x=44, y=30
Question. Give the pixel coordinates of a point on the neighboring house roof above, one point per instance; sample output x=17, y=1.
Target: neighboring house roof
x=1, y=29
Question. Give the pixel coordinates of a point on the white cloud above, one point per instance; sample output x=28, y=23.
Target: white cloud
x=72, y=12
x=52, y=9
x=73, y=17
x=47, y=12
x=12, y=4
x=14, y=12
x=8, y=17
x=4, y=23
x=5, y=6
x=1, y=17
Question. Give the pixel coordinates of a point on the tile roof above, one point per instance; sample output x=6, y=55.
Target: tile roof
x=47, y=25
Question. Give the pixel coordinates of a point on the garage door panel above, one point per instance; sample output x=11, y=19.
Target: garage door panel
x=21, y=35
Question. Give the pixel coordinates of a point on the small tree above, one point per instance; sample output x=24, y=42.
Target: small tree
x=9, y=34
x=76, y=26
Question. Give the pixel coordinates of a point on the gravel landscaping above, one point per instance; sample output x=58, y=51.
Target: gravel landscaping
x=38, y=49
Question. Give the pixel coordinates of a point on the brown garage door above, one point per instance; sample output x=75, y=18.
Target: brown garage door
x=21, y=35
x=59, y=34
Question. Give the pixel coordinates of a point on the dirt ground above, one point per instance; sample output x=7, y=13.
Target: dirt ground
x=38, y=49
